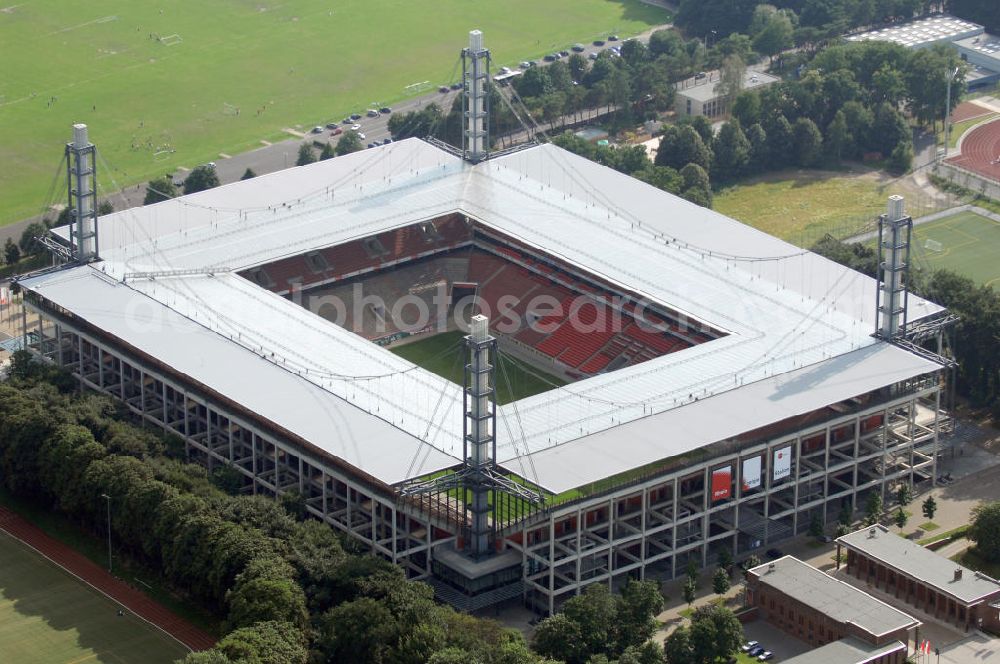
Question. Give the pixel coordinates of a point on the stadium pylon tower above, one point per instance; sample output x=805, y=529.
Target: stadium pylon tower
x=719, y=389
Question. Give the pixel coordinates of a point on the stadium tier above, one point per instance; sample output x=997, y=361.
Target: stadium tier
x=726, y=389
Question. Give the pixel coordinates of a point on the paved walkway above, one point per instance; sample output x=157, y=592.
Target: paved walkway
x=99, y=579
x=862, y=237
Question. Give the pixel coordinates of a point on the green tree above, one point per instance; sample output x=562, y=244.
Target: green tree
x=201, y=178
x=264, y=643
x=758, y=159
x=11, y=252
x=105, y=207
x=904, y=494
x=900, y=518
x=845, y=516
x=248, y=174
x=838, y=136
x=677, y=647
x=360, y=630
x=873, y=509
x=326, y=152
x=808, y=142
x=746, y=108
x=780, y=142
x=159, y=189
x=750, y=563
x=348, y=143
x=929, y=508
x=720, y=582
x=690, y=591
x=266, y=590
x=560, y=637
x=29, y=243
x=306, y=155
x=725, y=558
x=731, y=151
x=815, y=525
x=901, y=159
x=775, y=37
x=716, y=633
x=984, y=530
x=637, y=609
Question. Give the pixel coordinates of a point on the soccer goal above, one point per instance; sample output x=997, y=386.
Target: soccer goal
x=230, y=109
x=414, y=88
x=171, y=40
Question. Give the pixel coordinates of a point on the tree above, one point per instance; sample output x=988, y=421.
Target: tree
x=901, y=159
x=105, y=207
x=361, y=631
x=716, y=633
x=929, y=507
x=326, y=152
x=731, y=77
x=201, y=178
x=306, y=155
x=873, y=510
x=889, y=129
x=780, y=142
x=348, y=143
x=815, y=526
x=160, y=189
x=638, y=607
x=746, y=108
x=29, y=244
x=696, y=188
x=559, y=637
x=11, y=252
x=750, y=563
x=757, y=161
x=845, y=516
x=677, y=646
x=720, y=582
x=985, y=530
x=808, y=142
x=725, y=558
x=248, y=174
x=904, y=495
x=775, y=37
x=838, y=137
x=731, y=150
x=900, y=518
x=265, y=643
x=690, y=591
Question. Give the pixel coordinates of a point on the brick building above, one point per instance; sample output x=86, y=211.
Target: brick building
x=922, y=578
x=819, y=609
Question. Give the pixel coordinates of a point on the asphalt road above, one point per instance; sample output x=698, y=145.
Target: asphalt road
x=283, y=154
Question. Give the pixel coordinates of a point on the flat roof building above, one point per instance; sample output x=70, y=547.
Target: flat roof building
x=923, y=32
x=819, y=609
x=852, y=651
x=703, y=98
x=920, y=577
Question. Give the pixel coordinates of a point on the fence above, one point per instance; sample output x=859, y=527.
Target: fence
x=968, y=180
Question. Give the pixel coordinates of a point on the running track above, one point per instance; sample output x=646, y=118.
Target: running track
x=981, y=151
x=119, y=591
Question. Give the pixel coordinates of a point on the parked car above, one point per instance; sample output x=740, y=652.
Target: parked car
x=331, y=125
x=385, y=110
x=592, y=56
x=766, y=655
x=456, y=86
x=347, y=121
x=443, y=88
x=372, y=113
x=372, y=145
x=355, y=127
x=337, y=131
x=563, y=54
x=525, y=65
x=612, y=37
x=756, y=650
x=355, y=116
x=550, y=58
x=578, y=48
x=504, y=70
x=387, y=141
x=317, y=130
x=361, y=136
x=748, y=645
x=598, y=42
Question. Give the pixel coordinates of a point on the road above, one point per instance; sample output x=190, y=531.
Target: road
x=283, y=154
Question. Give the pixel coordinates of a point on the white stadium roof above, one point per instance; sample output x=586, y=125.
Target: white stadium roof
x=798, y=326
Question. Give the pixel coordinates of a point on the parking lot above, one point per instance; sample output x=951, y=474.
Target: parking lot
x=782, y=644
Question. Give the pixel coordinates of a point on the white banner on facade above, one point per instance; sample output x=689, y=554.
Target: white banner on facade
x=782, y=462
x=751, y=473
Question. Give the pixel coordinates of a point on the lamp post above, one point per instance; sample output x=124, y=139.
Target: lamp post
x=947, y=112
x=107, y=499
x=710, y=32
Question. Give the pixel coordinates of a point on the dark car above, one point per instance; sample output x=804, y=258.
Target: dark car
x=355, y=116
x=385, y=109
x=774, y=554
x=598, y=42
x=612, y=37
x=456, y=86
x=756, y=650
x=372, y=145
x=443, y=88
x=387, y=141
x=347, y=121
x=563, y=54
x=331, y=125
x=550, y=58
x=578, y=48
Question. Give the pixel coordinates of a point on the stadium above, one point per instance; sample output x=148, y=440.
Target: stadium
x=676, y=382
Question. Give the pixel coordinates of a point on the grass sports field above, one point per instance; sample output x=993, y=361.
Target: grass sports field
x=160, y=83
x=444, y=354
x=966, y=243
x=48, y=616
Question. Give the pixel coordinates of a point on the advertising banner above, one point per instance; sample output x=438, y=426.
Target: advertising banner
x=782, y=462
x=751, y=473
x=722, y=482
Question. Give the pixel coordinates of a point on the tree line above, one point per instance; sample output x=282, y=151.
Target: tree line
x=289, y=589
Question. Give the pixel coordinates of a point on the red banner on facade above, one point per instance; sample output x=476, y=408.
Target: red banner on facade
x=722, y=483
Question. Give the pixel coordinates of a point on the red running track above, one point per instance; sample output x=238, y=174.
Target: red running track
x=119, y=591
x=967, y=110
x=981, y=151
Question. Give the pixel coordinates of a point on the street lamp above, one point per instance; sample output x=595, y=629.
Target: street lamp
x=710, y=32
x=947, y=112
x=107, y=499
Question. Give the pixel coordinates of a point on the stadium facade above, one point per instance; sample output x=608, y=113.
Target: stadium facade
x=743, y=394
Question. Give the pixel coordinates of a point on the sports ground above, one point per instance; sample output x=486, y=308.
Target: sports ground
x=47, y=616
x=966, y=243
x=444, y=354
x=164, y=85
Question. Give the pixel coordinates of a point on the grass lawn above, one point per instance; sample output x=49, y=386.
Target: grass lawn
x=971, y=559
x=954, y=532
x=444, y=354
x=969, y=244
x=160, y=83
x=959, y=128
x=929, y=526
x=47, y=615
x=802, y=206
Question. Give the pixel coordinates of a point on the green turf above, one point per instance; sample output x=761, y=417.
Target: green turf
x=443, y=354
x=47, y=615
x=153, y=106
x=970, y=244
x=956, y=130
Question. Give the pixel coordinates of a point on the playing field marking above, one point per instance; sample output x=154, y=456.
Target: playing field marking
x=84, y=581
x=171, y=40
x=103, y=19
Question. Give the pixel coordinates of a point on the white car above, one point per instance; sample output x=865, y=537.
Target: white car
x=355, y=127
x=361, y=136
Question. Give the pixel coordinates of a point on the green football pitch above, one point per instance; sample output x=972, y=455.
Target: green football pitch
x=166, y=84
x=444, y=354
x=966, y=243
x=48, y=616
